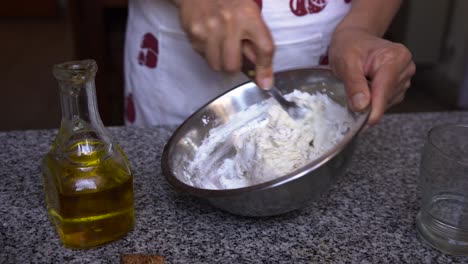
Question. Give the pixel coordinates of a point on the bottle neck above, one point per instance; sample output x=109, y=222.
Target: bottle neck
x=80, y=117
x=79, y=104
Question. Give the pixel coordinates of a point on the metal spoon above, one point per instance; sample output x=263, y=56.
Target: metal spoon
x=296, y=112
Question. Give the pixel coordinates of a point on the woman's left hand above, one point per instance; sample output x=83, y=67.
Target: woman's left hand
x=374, y=70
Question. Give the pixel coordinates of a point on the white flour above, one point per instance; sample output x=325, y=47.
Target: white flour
x=264, y=142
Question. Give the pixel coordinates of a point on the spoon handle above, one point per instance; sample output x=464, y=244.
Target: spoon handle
x=248, y=68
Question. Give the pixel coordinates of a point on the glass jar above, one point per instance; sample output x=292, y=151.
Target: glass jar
x=87, y=178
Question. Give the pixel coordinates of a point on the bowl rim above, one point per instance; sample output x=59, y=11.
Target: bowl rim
x=296, y=174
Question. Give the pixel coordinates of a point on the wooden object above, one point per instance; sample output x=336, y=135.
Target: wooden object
x=141, y=259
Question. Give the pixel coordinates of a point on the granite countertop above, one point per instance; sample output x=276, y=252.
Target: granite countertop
x=368, y=216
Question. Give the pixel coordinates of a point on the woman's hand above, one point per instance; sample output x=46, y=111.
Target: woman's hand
x=374, y=71
x=224, y=31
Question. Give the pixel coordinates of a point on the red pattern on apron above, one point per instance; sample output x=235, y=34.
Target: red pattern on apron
x=323, y=59
x=304, y=7
x=148, y=55
x=259, y=3
x=130, y=108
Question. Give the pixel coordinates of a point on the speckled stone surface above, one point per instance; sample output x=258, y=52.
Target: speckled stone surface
x=367, y=217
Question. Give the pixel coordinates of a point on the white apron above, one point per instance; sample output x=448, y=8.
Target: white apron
x=166, y=80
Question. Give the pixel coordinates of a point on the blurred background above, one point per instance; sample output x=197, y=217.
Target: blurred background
x=38, y=34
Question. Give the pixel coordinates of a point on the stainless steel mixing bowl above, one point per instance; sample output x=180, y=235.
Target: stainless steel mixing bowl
x=284, y=194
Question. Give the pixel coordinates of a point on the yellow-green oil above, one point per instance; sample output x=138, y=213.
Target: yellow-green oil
x=89, y=193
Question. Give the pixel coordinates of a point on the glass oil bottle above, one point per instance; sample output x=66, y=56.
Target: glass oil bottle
x=87, y=178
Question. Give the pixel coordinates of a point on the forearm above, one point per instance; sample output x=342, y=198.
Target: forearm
x=373, y=16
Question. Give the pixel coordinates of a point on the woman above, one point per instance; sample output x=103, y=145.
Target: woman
x=182, y=53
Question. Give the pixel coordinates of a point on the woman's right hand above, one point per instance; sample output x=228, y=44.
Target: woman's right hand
x=224, y=31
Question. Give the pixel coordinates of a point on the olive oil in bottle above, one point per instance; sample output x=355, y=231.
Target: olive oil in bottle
x=87, y=178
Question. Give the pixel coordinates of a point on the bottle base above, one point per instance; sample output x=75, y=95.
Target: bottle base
x=97, y=243
x=86, y=233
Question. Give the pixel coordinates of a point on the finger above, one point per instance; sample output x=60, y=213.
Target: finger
x=231, y=48
x=398, y=98
x=379, y=104
x=407, y=85
x=384, y=85
x=357, y=89
x=213, y=54
x=412, y=69
x=196, y=31
x=400, y=95
x=390, y=53
x=199, y=47
x=405, y=79
x=262, y=42
x=397, y=95
x=408, y=72
x=248, y=50
x=404, y=84
x=213, y=48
